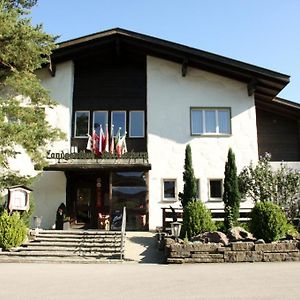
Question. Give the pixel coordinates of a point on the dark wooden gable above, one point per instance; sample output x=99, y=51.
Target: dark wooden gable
x=110, y=77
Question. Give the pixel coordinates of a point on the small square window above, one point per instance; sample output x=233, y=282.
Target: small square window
x=215, y=188
x=169, y=189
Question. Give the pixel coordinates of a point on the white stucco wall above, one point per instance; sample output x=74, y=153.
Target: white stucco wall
x=49, y=191
x=169, y=98
x=50, y=187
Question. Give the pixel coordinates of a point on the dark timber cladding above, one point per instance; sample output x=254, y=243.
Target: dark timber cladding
x=278, y=132
x=111, y=77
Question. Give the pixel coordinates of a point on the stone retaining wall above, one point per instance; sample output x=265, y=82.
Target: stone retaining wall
x=235, y=252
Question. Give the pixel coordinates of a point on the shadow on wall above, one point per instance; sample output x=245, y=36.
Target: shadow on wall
x=49, y=191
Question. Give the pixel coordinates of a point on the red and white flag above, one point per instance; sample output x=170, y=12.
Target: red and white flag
x=95, y=142
x=121, y=146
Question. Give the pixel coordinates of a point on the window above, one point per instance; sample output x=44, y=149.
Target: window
x=169, y=189
x=100, y=118
x=82, y=121
x=136, y=124
x=118, y=119
x=210, y=121
x=215, y=189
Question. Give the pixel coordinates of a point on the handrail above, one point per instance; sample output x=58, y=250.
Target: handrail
x=123, y=232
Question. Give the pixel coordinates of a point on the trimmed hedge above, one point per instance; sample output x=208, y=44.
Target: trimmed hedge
x=268, y=222
x=196, y=219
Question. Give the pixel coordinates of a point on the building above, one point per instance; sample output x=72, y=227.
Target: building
x=165, y=96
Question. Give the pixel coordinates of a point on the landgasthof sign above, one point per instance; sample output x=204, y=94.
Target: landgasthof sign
x=89, y=155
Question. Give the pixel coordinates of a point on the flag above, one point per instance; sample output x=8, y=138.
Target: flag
x=95, y=143
x=106, y=146
x=89, y=143
x=112, y=143
x=101, y=136
x=119, y=142
x=124, y=146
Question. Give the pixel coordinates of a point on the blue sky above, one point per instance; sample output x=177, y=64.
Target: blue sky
x=261, y=32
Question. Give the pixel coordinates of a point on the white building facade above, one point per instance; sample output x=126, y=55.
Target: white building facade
x=167, y=95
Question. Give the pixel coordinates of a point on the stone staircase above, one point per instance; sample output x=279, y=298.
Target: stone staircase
x=82, y=246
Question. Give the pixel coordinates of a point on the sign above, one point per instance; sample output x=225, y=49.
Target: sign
x=18, y=198
x=89, y=155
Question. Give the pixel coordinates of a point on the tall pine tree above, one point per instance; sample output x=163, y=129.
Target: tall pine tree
x=231, y=195
x=190, y=184
x=23, y=126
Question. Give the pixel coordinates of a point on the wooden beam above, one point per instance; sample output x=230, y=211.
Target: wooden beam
x=251, y=86
x=184, y=67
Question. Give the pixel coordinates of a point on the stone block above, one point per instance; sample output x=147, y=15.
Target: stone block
x=206, y=247
x=277, y=247
x=175, y=260
x=243, y=256
x=207, y=255
x=242, y=246
x=205, y=259
x=274, y=256
x=293, y=256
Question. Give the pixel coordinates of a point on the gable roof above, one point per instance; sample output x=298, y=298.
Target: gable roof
x=265, y=84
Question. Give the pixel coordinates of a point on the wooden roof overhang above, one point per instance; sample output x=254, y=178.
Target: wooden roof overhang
x=280, y=106
x=263, y=83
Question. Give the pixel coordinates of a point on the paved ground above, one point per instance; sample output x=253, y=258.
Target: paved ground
x=150, y=281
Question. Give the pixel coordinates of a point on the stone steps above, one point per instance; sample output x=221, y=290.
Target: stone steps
x=67, y=246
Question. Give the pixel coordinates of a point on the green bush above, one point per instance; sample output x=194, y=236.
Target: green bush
x=13, y=231
x=196, y=219
x=268, y=222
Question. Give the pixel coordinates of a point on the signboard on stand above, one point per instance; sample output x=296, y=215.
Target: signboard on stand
x=18, y=198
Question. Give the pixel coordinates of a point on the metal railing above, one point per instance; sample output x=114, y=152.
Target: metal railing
x=123, y=233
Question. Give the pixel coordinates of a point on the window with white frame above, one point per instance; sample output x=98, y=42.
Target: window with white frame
x=210, y=121
x=215, y=188
x=169, y=189
x=118, y=119
x=100, y=118
x=82, y=124
x=136, y=124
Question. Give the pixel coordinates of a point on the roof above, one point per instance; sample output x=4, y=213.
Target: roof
x=280, y=106
x=265, y=84
x=20, y=186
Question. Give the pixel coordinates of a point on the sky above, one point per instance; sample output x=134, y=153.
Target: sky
x=265, y=33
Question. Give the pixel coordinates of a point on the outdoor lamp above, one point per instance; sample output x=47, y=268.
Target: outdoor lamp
x=175, y=230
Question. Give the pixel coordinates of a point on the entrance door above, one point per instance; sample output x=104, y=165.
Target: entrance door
x=87, y=197
x=83, y=204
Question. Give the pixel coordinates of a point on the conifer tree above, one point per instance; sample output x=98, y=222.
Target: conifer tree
x=190, y=185
x=231, y=195
x=24, y=48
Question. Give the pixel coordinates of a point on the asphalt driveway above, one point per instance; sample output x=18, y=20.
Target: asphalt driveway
x=150, y=281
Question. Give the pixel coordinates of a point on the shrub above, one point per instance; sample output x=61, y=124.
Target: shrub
x=268, y=221
x=12, y=230
x=231, y=195
x=196, y=219
x=190, y=184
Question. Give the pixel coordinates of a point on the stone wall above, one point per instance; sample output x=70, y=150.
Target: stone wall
x=235, y=252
